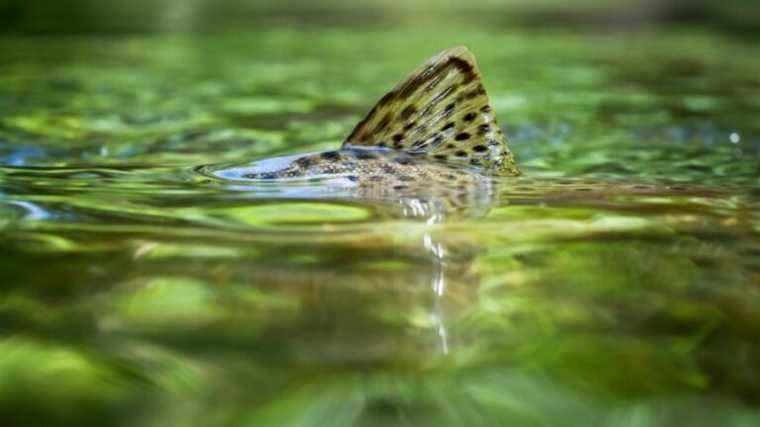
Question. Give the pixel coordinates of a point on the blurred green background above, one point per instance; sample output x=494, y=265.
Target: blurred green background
x=88, y=16
x=616, y=284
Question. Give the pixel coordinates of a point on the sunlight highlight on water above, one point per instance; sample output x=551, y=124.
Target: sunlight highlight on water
x=615, y=283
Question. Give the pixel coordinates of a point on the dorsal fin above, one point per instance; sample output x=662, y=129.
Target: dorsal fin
x=441, y=110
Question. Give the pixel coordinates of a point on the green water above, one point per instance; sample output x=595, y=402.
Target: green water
x=616, y=284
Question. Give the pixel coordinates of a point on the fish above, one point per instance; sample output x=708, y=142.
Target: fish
x=432, y=145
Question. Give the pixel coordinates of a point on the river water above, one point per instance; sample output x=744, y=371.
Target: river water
x=617, y=283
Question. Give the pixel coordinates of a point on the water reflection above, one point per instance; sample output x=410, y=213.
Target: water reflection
x=33, y=211
x=438, y=286
x=614, y=285
x=352, y=307
x=441, y=192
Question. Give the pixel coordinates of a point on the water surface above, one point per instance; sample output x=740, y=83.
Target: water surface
x=614, y=284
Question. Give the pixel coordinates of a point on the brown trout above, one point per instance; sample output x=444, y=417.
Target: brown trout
x=431, y=144
x=431, y=148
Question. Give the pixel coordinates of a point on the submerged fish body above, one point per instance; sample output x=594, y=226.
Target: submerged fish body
x=420, y=187
x=431, y=148
x=432, y=144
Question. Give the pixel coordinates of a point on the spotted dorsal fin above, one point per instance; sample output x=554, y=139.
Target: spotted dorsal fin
x=441, y=110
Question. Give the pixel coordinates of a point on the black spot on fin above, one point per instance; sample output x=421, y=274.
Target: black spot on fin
x=441, y=110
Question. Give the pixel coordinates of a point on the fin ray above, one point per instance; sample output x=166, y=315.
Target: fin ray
x=441, y=110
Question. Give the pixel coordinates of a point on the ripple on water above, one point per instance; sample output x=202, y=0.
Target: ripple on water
x=614, y=284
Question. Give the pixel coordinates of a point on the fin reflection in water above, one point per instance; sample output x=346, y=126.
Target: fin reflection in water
x=427, y=150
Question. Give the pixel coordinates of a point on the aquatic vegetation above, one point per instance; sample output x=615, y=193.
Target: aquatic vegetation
x=614, y=283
